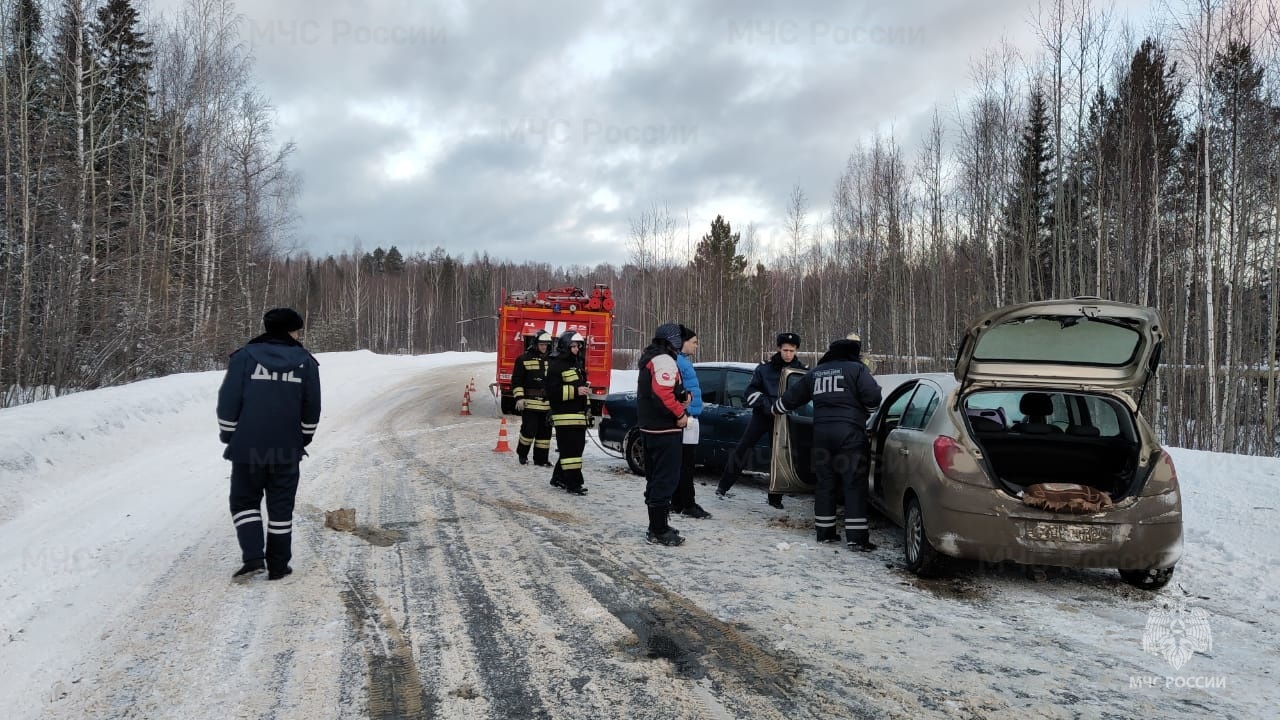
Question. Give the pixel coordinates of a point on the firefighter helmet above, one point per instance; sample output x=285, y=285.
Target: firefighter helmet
x=567, y=339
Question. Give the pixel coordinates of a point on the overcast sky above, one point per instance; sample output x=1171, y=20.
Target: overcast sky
x=537, y=130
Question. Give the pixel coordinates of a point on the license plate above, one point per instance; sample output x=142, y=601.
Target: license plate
x=1065, y=532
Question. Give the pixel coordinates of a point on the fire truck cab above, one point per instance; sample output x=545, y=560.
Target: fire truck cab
x=525, y=312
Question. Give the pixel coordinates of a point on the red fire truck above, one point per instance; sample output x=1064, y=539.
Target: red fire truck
x=525, y=312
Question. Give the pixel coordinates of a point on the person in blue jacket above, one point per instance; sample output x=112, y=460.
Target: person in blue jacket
x=268, y=410
x=762, y=392
x=683, y=501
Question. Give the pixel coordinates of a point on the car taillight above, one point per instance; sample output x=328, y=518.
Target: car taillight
x=604, y=410
x=945, y=450
x=958, y=463
x=1173, y=471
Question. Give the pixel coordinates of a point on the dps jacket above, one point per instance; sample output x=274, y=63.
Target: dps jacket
x=269, y=402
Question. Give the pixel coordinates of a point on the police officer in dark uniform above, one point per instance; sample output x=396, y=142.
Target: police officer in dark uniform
x=268, y=410
x=843, y=394
x=528, y=386
x=761, y=392
x=567, y=392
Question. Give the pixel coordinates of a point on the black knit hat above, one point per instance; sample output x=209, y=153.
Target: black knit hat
x=788, y=338
x=282, y=320
x=669, y=332
x=687, y=333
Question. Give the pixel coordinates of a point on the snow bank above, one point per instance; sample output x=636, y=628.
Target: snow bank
x=40, y=441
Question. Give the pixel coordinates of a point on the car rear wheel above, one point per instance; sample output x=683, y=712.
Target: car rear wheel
x=633, y=448
x=1148, y=579
x=922, y=559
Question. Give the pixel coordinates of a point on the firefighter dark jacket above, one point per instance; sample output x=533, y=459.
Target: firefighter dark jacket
x=529, y=380
x=565, y=374
x=269, y=402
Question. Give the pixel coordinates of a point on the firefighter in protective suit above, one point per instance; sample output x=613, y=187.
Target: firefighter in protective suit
x=529, y=387
x=567, y=392
x=844, y=394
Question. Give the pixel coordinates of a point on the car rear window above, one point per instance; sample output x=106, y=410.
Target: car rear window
x=1071, y=340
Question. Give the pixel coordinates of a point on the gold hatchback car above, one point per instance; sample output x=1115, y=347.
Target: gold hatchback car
x=1032, y=451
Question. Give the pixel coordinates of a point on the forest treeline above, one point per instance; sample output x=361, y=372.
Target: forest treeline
x=148, y=207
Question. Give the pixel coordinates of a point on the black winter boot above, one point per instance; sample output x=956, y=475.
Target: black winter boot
x=659, y=532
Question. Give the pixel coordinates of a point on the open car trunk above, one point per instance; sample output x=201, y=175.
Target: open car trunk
x=1081, y=439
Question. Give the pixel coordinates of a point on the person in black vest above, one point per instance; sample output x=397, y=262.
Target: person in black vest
x=844, y=394
x=567, y=392
x=661, y=403
x=268, y=411
x=529, y=387
x=761, y=393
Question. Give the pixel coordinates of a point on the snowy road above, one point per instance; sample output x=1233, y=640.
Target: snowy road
x=473, y=589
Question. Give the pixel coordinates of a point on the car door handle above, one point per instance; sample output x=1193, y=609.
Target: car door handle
x=903, y=451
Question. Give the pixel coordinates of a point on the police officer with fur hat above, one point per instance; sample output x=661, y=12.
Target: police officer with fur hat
x=761, y=393
x=529, y=387
x=844, y=394
x=268, y=410
x=567, y=394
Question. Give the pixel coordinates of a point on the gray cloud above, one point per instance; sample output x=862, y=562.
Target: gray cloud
x=534, y=131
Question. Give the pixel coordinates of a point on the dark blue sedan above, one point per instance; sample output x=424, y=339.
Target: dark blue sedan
x=724, y=419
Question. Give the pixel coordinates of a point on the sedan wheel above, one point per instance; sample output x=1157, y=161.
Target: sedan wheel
x=1147, y=579
x=633, y=448
x=922, y=559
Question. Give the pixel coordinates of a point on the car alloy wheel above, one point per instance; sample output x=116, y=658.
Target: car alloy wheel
x=921, y=558
x=633, y=448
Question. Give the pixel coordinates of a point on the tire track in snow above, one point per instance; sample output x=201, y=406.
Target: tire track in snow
x=667, y=626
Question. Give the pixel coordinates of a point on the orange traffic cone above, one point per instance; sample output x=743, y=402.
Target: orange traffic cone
x=472, y=385
x=502, y=438
x=466, y=403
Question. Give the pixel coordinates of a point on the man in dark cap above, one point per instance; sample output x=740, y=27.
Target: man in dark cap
x=843, y=394
x=268, y=410
x=762, y=391
x=662, y=416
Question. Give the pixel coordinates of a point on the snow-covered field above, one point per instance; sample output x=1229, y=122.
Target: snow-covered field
x=116, y=598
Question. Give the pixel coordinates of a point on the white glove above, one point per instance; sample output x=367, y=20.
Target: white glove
x=520, y=405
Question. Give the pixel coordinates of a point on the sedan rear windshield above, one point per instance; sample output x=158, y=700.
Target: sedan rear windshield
x=1069, y=340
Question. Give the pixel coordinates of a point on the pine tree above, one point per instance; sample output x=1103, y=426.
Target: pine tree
x=393, y=263
x=1140, y=136
x=717, y=252
x=718, y=271
x=1028, y=242
x=126, y=55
